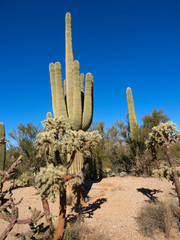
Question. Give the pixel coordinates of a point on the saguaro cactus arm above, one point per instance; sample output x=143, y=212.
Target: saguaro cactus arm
x=88, y=102
x=59, y=106
x=77, y=104
x=69, y=66
x=132, y=116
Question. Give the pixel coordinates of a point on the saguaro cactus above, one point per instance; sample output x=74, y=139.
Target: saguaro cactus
x=72, y=102
x=2, y=149
x=132, y=116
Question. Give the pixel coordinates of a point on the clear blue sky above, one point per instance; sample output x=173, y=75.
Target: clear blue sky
x=122, y=43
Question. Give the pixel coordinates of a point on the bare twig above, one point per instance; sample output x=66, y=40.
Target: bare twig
x=8, y=173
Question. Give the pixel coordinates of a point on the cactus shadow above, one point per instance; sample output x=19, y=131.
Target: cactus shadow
x=85, y=211
x=149, y=193
x=88, y=185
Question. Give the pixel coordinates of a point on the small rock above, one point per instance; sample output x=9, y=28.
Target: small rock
x=123, y=174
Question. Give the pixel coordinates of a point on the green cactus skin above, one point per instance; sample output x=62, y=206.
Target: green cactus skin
x=2, y=150
x=77, y=165
x=72, y=102
x=132, y=116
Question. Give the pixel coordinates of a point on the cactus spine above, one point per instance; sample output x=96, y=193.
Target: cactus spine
x=72, y=102
x=132, y=116
x=2, y=149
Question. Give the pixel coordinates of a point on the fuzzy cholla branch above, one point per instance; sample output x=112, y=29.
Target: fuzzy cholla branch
x=48, y=181
x=59, y=136
x=164, y=172
x=81, y=141
x=163, y=133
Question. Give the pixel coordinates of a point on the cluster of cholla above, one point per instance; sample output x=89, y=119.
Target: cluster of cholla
x=163, y=133
x=49, y=181
x=59, y=135
x=164, y=172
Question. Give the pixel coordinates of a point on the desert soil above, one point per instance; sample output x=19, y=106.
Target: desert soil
x=111, y=209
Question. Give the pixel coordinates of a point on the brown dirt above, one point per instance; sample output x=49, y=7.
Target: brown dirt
x=111, y=209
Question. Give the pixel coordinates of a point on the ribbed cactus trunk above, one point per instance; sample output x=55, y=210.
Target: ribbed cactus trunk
x=2, y=150
x=132, y=116
x=72, y=102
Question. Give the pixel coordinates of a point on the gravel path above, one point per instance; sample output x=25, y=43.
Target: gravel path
x=112, y=206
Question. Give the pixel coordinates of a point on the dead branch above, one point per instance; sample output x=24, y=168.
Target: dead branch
x=8, y=173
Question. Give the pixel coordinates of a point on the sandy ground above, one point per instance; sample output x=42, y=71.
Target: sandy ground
x=111, y=209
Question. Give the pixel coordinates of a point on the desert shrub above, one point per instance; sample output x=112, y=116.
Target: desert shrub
x=71, y=233
x=155, y=217
x=175, y=150
x=108, y=173
x=85, y=233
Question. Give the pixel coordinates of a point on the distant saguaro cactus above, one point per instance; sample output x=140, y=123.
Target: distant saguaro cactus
x=72, y=102
x=132, y=116
x=2, y=149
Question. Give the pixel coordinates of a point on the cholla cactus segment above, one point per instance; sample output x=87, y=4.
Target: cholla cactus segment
x=81, y=141
x=49, y=115
x=49, y=181
x=163, y=133
x=2, y=149
x=132, y=116
x=76, y=180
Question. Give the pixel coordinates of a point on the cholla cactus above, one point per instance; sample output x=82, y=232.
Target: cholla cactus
x=57, y=139
x=64, y=140
x=164, y=172
x=48, y=181
x=166, y=134
x=163, y=134
x=132, y=117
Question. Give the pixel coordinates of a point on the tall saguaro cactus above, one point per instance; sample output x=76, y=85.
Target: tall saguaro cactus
x=2, y=149
x=132, y=116
x=72, y=102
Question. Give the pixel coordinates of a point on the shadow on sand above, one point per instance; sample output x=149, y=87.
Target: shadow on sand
x=149, y=193
x=85, y=211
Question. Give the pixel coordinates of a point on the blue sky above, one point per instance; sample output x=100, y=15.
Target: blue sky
x=122, y=43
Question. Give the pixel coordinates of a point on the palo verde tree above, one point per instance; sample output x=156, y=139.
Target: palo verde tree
x=24, y=135
x=60, y=140
x=157, y=117
x=166, y=134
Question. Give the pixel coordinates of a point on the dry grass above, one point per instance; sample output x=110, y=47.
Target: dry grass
x=79, y=231
x=158, y=217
